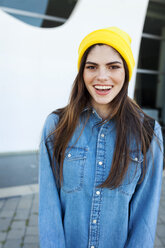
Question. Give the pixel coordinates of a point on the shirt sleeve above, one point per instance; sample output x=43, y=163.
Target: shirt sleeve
x=51, y=232
x=144, y=204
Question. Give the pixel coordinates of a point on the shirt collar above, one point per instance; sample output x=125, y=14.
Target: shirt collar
x=93, y=111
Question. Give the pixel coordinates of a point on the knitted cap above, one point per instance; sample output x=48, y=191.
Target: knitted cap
x=113, y=37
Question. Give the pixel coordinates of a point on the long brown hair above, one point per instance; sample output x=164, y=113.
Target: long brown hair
x=128, y=118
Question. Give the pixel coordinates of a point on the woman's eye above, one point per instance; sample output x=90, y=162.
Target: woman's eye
x=91, y=67
x=114, y=67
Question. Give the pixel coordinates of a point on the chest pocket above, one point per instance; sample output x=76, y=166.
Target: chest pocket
x=133, y=174
x=73, y=169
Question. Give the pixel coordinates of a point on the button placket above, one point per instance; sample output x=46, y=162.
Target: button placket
x=97, y=193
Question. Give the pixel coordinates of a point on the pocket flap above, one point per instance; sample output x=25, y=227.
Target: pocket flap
x=75, y=153
x=136, y=157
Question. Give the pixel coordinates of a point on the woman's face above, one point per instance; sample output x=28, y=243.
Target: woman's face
x=104, y=75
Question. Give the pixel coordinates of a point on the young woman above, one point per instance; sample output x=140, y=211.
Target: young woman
x=101, y=157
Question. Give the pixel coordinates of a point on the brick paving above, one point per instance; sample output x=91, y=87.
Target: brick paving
x=19, y=221
x=160, y=232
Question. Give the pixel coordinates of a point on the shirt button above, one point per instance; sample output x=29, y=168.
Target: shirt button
x=69, y=155
x=102, y=135
x=92, y=246
x=94, y=221
x=136, y=159
x=100, y=163
x=97, y=192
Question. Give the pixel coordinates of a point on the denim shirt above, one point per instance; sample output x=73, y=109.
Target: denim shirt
x=80, y=214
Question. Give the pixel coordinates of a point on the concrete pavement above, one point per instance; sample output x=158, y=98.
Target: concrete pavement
x=19, y=218
x=19, y=221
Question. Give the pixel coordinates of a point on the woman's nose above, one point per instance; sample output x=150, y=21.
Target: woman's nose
x=102, y=75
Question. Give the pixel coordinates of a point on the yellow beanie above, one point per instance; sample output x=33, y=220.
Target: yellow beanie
x=113, y=37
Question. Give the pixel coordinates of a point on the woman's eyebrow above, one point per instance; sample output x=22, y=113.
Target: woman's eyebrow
x=113, y=62
x=89, y=62
x=110, y=63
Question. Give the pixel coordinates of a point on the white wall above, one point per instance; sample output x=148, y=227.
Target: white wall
x=38, y=66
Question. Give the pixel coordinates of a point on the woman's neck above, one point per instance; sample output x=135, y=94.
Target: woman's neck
x=102, y=110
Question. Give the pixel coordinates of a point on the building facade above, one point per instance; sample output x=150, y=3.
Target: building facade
x=39, y=42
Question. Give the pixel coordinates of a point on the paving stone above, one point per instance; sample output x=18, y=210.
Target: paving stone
x=18, y=224
x=33, y=221
x=162, y=197
x=34, y=211
x=16, y=234
x=11, y=203
x=163, y=240
x=159, y=221
x=30, y=246
x=163, y=204
x=163, y=190
x=161, y=230
x=3, y=236
x=0, y=245
x=29, y=197
x=7, y=213
x=2, y=203
x=161, y=209
x=25, y=203
x=31, y=230
x=31, y=239
x=163, y=194
x=162, y=218
x=157, y=241
x=34, y=207
x=161, y=215
x=13, y=244
x=163, y=184
x=21, y=214
x=35, y=202
x=36, y=197
x=4, y=223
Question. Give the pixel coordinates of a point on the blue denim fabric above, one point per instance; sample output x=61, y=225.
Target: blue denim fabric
x=81, y=215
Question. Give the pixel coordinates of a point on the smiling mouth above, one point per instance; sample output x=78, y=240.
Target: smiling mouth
x=102, y=88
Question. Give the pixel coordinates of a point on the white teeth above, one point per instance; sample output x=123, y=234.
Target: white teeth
x=102, y=87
